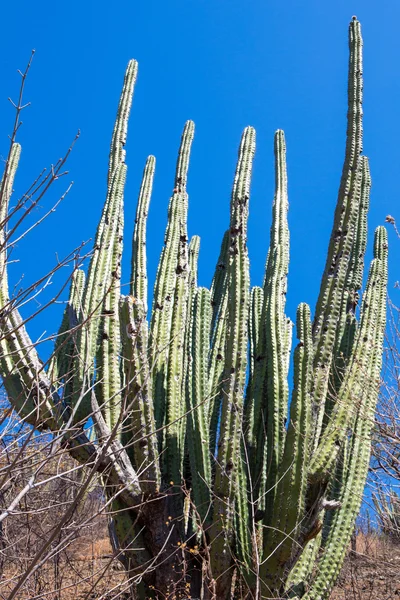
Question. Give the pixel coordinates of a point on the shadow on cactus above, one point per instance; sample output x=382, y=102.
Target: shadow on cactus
x=220, y=490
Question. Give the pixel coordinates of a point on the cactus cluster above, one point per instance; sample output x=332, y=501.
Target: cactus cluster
x=224, y=483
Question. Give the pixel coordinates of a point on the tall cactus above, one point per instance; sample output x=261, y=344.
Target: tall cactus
x=222, y=486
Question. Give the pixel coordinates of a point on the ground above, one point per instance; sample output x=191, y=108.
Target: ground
x=87, y=571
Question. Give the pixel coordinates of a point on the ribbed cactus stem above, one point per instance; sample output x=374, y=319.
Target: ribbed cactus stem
x=194, y=249
x=137, y=393
x=271, y=386
x=101, y=265
x=193, y=253
x=166, y=279
x=60, y=365
x=139, y=260
x=352, y=389
x=292, y=475
x=229, y=453
x=198, y=421
x=120, y=132
x=219, y=303
x=357, y=266
x=218, y=284
x=256, y=305
x=108, y=388
x=6, y=187
x=176, y=377
x=332, y=297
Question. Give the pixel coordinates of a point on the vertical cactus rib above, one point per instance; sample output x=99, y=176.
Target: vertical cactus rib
x=292, y=476
x=235, y=369
x=256, y=304
x=120, y=132
x=332, y=298
x=194, y=249
x=360, y=243
x=108, y=386
x=219, y=303
x=139, y=261
x=343, y=521
x=353, y=390
x=60, y=365
x=175, y=381
x=101, y=264
x=219, y=279
x=164, y=287
x=173, y=331
x=198, y=430
x=271, y=386
x=193, y=252
x=6, y=187
x=24, y=379
x=300, y=574
x=138, y=392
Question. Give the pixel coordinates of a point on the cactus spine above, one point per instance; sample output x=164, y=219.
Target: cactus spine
x=190, y=406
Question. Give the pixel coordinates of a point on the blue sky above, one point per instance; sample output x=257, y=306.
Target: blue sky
x=224, y=64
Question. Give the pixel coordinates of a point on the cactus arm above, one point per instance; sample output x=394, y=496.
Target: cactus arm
x=298, y=577
x=352, y=153
x=164, y=287
x=335, y=488
x=127, y=539
x=7, y=360
x=343, y=521
x=6, y=188
x=332, y=299
x=138, y=392
x=175, y=421
x=256, y=304
x=219, y=280
x=352, y=390
x=108, y=387
x=235, y=370
x=219, y=303
x=100, y=268
x=292, y=475
x=271, y=386
x=120, y=132
x=345, y=331
x=360, y=244
x=194, y=248
x=139, y=262
x=29, y=388
x=244, y=542
x=24, y=379
x=198, y=431
x=60, y=363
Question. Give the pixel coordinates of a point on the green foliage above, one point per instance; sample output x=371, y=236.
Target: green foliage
x=195, y=400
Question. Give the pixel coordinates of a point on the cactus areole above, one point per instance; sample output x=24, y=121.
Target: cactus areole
x=224, y=485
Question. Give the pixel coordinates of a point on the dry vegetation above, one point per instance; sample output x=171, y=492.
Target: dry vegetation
x=80, y=563
x=371, y=570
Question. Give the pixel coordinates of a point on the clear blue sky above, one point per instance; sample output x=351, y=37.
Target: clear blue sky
x=225, y=64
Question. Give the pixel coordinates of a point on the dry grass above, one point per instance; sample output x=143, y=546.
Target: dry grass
x=371, y=570
x=89, y=572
